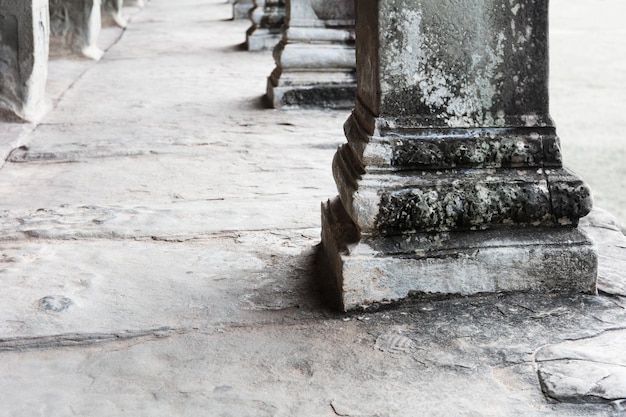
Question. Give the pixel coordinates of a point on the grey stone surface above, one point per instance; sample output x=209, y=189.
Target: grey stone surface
x=224, y=322
x=112, y=13
x=267, y=19
x=75, y=26
x=373, y=271
x=458, y=56
x=134, y=3
x=24, y=58
x=315, y=61
x=452, y=175
x=587, y=370
x=241, y=8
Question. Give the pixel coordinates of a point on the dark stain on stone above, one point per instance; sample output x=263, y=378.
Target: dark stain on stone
x=55, y=303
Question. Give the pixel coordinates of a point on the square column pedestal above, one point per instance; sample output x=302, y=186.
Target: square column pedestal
x=241, y=8
x=24, y=37
x=315, y=59
x=75, y=26
x=267, y=19
x=451, y=181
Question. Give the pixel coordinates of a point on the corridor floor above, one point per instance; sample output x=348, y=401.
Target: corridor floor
x=159, y=226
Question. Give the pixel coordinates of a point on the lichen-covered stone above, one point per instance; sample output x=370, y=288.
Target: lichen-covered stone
x=435, y=149
x=442, y=63
x=360, y=271
x=451, y=141
x=24, y=37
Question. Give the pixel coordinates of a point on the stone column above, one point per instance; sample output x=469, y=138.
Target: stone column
x=75, y=25
x=24, y=36
x=134, y=3
x=241, y=9
x=112, y=13
x=315, y=62
x=451, y=181
x=267, y=18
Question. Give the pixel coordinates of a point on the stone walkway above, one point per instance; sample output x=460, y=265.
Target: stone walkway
x=158, y=232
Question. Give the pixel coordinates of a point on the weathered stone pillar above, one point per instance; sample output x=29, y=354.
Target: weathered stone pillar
x=75, y=25
x=315, y=62
x=451, y=181
x=134, y=3
x=112, y=13
x=241, y=9
x=267, y=18
x=24, y=36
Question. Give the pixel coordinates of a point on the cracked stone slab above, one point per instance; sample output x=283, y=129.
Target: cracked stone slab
x=587, y=370
x=177, y=222
x=605, y=230
x=100, y=287
x=456, y=364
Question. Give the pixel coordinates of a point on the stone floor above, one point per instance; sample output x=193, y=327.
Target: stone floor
x=159, y=227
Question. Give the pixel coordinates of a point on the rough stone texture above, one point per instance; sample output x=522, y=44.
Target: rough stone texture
x=315, y=61
x=373, y=271
x=267, y=18
x=469, y=63
x=605, y=230
x=450, y=134
x=23, y=58
x=587, y=370
x=112, y=13
x=75, y=26
x=241, y=8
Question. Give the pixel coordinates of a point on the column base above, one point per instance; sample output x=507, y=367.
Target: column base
x=311, y=90
x=262, y=39
x=381, y=270
x=241, y=9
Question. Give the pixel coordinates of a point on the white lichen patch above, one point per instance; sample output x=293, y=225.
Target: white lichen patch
x=449, y=55
x=404, y=50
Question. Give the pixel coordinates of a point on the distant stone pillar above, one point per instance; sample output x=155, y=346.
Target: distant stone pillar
x=267, y=18
x=24, y=36
x=451, y=181
x=134, y=3
x=315, y=61
x=75, y=25
x=112, y=13
x=241, y=9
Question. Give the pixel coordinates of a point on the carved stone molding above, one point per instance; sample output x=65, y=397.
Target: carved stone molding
x=241, y=8
x=452, y=180
x=315, y=59
x=268, y=17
